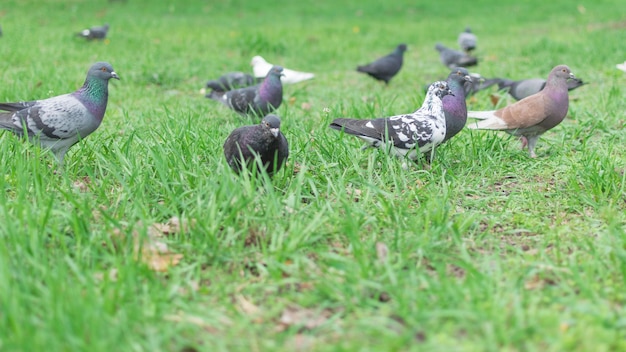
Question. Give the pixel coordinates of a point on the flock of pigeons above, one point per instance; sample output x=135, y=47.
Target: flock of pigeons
x=59, y=122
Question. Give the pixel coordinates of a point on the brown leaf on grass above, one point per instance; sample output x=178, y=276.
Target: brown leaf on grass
x=305, y=106
x=300, y=342
x=291, y=101
x=494, y=99
x=173, y=226
x=82, y=184
x=306, y=318
x=539, y=282
x=148, y=249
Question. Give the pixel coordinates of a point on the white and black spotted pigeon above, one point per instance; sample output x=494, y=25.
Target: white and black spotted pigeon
x=527, y=87
x=259, y=99
x=386, y=67
x=530, y=117
x=260, y=67
x=230, y=81
x=264, y=140
x=467, y=40
x=453, y=58
x=59, y=122
x=407, y=135
x=97, y=32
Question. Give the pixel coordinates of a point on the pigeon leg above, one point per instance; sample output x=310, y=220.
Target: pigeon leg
x=524, y=141
x=532, y=141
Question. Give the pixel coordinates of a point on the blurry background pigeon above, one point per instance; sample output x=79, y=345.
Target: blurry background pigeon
x=265, y=140
x=453, y=58
x=478, y=83
x=260, y=67
x=386, y=67
x=527, y=87
x=257, y=100
x=467, y=40
x=98, y=32
x=454, y=106
x=531, y=117
x=230, y=81
x=409, y=135
x=59, y=122
x=621, y=66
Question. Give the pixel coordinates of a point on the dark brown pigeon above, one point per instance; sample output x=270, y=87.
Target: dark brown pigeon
x=527, y=87
x=259, y=99
x=531, y=117
x=386, y=67
x=264, y=140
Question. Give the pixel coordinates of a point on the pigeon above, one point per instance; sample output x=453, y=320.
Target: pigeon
x=453, y=58
x=467, y=40
x=454, y=107
x=265, y=140
x=406, y=135
x=622, y=66
x=384, y=68
x=262, y=67
x=531, y=117
x=98, y=32
x=230, y=81
x=479, y=83
x=258, y=100
x=59, y=122
x=527, y=87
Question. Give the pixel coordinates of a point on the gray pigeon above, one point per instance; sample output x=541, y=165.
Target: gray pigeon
x=453, y=58
x=97, y=32
x=59, y=122
x=404, y=135
x=479, y=83
x=467, y=40
x=230, y=81
x=386, y=67
x=257, y=100
x=263, y=140
x=454, y=106
x=527, y=87
x=531, y=117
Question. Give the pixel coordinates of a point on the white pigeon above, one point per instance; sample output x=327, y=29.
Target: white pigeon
x=262, y=67
x=621, y=66
x=408, y=135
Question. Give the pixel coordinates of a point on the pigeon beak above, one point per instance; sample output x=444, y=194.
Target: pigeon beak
x=571, y=75
x=274, y=132
x=467, y=78
x=114, y=75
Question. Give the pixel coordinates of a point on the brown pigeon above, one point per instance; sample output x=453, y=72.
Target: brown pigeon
x=530, y=117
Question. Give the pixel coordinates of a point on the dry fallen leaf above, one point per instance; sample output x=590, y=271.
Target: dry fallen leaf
x=307, y=318
x=381, y=252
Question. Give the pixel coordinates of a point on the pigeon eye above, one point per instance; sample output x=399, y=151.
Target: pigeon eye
x=104, y=69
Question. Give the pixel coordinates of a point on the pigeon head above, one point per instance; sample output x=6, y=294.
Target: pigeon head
x=276, y=70
x=272, y=122
x=460, y=74
x=468, y=30
x=401, y=48
x=440, y=89
x=562, y=71
x=103, y=71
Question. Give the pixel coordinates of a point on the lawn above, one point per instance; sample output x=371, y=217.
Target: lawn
x=147, y=241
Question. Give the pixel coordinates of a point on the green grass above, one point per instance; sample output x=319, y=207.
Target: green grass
x=343, y=250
